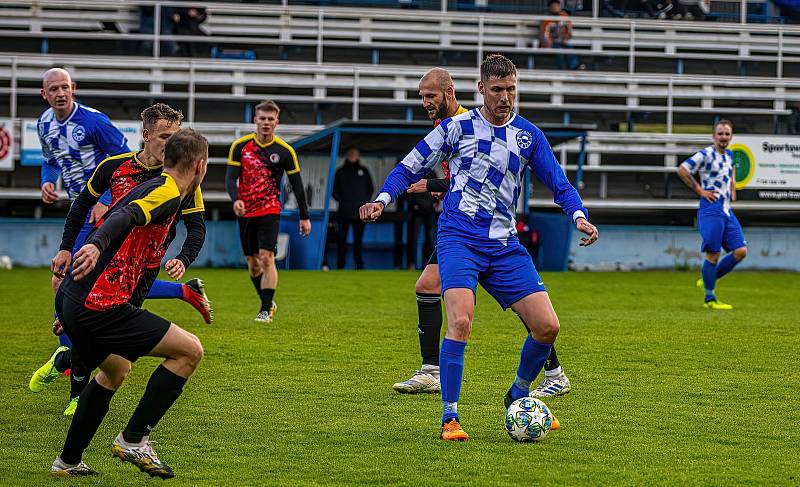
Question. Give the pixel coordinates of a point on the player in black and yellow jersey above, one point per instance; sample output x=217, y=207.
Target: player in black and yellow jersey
x=257, y=162
x=107, y=331
x=119, y=174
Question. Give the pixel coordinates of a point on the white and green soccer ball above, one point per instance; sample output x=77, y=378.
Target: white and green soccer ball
x=528, y=419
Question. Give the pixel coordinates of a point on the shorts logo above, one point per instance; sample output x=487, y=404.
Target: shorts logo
x=524, y=139
x=274, y=158
x=78, y=133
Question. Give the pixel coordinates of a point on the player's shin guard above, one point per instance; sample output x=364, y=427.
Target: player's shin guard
x=257, y=283
x=709, y=279
x=531, y=359
x=451, y=366
x=726, y=264
x=162, y=390
x=78, y=379
x=92, y=408
x=429, y=311
x=165, y=290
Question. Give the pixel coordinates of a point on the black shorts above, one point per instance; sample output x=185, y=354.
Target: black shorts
x=434, y=258
x=259, y=232
x=124, y=330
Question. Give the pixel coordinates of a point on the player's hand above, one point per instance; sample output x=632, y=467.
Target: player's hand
x=98, y=211
x=49, y=194
x=733, y=196
x=58, y=330
x=371, y=211
x=85, y=260
x=420, y=186
x=60, y=263
x=175, y=268
x=305, y=227
x=438, y=195
x=238, y=207
x=709, y=196
x=589, y=229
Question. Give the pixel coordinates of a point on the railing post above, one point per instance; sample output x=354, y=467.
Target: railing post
x=480, y=40
x=743, y=12
x=669, y=106
x=595, y=8
x=320, y=20
x=190, y=102
x=444, y=6
x=355, y=94
x=156, y=30
x=779, y=67
x=632, y=49
x=12, y=102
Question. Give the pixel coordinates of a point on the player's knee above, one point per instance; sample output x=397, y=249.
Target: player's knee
x=56, y=283
x=712, y=257
x=740, y=253
x=427, y=285
x=459, y=326
x=194, y=352
x=266, y=259
x=550, y=329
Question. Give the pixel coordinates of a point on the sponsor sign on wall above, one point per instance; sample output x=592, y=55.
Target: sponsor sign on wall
x=768, y=164
x=6, y=144
x=31, y=153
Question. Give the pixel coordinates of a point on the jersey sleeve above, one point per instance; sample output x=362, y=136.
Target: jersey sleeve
x=159, y=204
x=194, y=204
x=100, y=181
x=693, y=163
x=290, y=163
x=235, y=153
x=108, y=138
x=436, y=147
x=547, y=169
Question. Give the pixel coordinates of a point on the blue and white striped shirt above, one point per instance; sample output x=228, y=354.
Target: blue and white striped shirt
x=716, y=172
x=72, y=148
x=486, y=165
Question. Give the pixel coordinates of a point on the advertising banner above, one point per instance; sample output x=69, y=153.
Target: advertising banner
x=767, y=164
x=7, y=138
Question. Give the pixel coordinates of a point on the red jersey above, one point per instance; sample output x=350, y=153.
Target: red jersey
x=262, y=168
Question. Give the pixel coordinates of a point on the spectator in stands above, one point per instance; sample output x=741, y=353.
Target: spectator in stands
x=793, y=120
x=557, y=34
x=188, y=22
x=352, y=187
x=423, y=213
x=147, y=26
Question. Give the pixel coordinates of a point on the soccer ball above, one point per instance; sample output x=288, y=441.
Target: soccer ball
x=5, y=262
x=528, y=419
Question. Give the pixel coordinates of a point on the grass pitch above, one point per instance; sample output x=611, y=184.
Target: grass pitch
x=664, y=391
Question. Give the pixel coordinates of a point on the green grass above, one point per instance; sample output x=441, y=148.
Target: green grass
x=664, y=391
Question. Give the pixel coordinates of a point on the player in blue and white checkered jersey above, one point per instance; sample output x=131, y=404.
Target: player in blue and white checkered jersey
x=718, y=225
x=488, y=150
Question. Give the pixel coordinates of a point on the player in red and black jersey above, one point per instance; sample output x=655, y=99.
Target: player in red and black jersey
x=439, y=99
x=120, y=174
x=258, y=162
x=94, y=305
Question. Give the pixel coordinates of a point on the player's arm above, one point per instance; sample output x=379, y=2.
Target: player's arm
x=433, y=149
x=438, y=185
x=108, y=138
x=547, y=169
x=51, y=171
x=686, y=172
x=733, y=183
x=232, y=175
x=293, y=173
x=195, y=222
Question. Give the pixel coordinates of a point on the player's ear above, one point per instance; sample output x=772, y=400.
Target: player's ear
x=44, y=96
x=145, y=135
x=480, y=86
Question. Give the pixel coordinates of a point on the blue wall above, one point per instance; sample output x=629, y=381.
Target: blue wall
x=34, y=243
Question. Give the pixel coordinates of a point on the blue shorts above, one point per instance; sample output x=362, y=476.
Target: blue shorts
x=505, y=271
x=720, y=231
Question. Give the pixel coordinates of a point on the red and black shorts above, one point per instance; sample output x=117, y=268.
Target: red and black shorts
x=259, y=232
x=125, y=330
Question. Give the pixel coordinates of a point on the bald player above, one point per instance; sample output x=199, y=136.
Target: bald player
x=437, y=90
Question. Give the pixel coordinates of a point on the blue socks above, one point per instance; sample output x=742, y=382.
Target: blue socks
x=709, y=279
x=165, y=290
x=726, y=264
x=451, y=371
x=531, y=360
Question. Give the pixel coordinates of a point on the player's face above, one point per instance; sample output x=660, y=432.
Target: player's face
x=58, y=90
x=722, y=135
x=156, y=139
x=498, y=96
x=265, y=123
x=434, y=101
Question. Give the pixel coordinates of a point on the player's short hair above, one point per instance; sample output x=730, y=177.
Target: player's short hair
x=551, y=2
x=497, y=66
x=723, y=121
x=183, y=148
x=160, y=111
x=268, y=106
